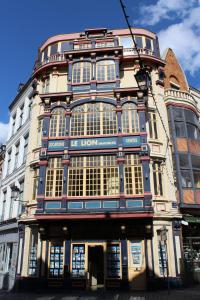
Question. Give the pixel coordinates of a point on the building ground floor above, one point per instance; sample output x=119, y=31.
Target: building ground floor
x=191, y=248
x=91, y=254
x=9, y=245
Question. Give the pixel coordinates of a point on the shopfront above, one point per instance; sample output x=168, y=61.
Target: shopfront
x=92, y=254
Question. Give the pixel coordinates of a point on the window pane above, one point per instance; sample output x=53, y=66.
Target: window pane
x=138, y=40
x=195, y=162
x=126, y=42
x=196, y=175
x=184, y=162
x=64, y=46
x=190, y=116
x=180, y=129
x=130, y=119
x=178, y=113
x=148, y=44
x=193, y=132
x=54, y=49
x=186, y=178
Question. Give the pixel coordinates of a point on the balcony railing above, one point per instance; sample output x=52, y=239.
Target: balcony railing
x=132, y=51
x=59, y=57
x=180, y=96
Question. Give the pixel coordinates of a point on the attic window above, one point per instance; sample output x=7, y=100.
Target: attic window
x=174, y=86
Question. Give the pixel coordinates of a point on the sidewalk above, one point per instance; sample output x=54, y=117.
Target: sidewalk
x=182, y=294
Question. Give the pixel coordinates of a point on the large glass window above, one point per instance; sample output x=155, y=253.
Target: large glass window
x=157, y=178
x=180, y=129
x=153, y=132
x=130, y=120
x=81, y=72
x=93, y=118
x=33, y=254
x=93, y=176
x=138, y=40
x=133, y=175
x=54, y=49
x=54, y=178
x=193, y=132
x=57, y=122
x=126, y=42
x=186, y=180
x=105, y=70
x=196, y=169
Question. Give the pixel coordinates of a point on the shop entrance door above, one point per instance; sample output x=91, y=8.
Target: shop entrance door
x=96, y=266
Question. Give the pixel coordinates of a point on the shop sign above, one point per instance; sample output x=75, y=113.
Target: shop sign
x=131, y=141
x=94, y=143
x=55, y=145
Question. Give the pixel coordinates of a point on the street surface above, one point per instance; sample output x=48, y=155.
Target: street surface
x=182, y=294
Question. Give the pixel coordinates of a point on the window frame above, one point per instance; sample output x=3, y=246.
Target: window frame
x=133, y=170
x=81, y=72
x=88, y=176
x=157, y=170
x=57, y=126
x=90, y=119
x=54, y=178
x=153, y=125
x=103, y=72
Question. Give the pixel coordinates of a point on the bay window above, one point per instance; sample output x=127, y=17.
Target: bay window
x=54, y=178
x=133, y=175
x=93, y=176
x=93, y=119
x=57, y=122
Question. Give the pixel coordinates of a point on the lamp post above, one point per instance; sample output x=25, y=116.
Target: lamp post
x=15, y=192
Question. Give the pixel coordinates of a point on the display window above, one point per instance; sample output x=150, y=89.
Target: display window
x=78, y=260
x=56, y=259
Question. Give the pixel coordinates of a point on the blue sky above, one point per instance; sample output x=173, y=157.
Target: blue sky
x=25, y=24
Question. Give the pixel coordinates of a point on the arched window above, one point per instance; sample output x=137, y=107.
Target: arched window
x=81, y=72
x=130, y=120
x=105, y=70
x=93, y=119
x=57, y=122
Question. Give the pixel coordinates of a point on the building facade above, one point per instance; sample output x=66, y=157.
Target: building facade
x=12, y=179
x=183, y=105
x=101, y=201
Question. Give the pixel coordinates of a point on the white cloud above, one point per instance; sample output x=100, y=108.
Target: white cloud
x=166, y=9
x=183, y=34
x=3, y=132
x=184, y=39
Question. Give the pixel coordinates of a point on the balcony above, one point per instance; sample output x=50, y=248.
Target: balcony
x=180, y=97
x=142, y=51
x=58, y=57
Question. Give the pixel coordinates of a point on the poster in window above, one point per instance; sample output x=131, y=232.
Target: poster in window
x=136, y=254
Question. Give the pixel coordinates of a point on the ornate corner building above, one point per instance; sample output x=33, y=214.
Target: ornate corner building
x=101, y=197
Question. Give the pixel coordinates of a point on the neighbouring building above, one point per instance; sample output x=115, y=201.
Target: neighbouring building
x=183, y=105
x=12, y=181
x=99, y=189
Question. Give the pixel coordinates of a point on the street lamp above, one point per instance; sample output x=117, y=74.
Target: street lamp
x=142, y=78
x=15, y=191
